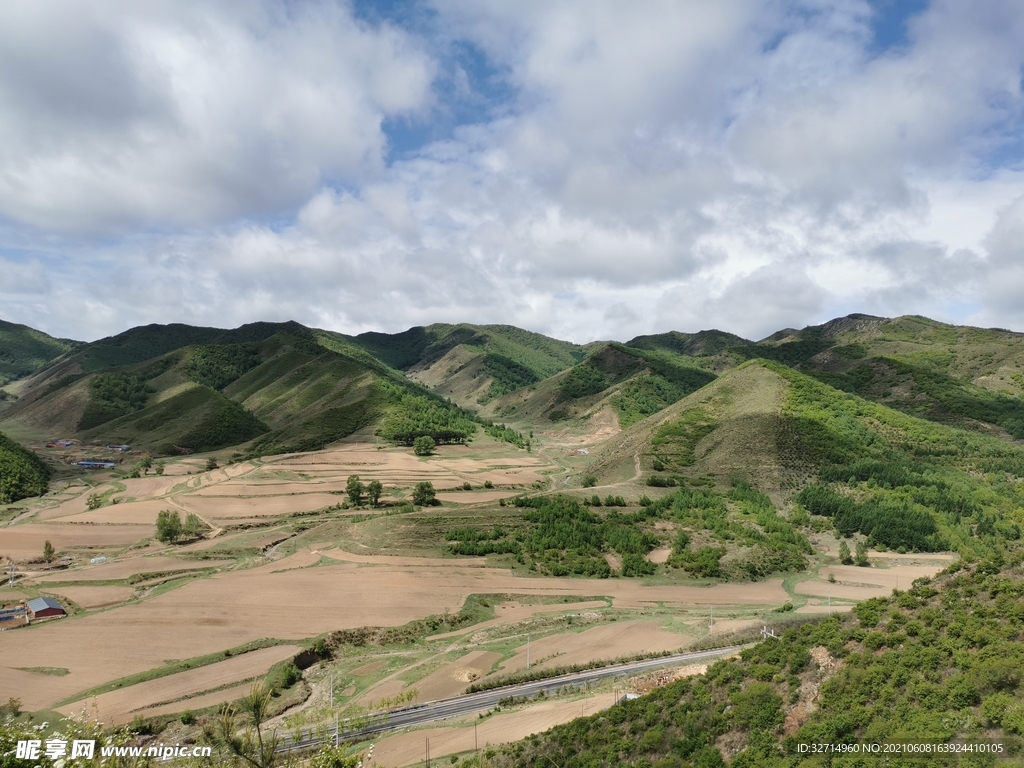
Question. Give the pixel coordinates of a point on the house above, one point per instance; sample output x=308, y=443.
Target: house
x=119, y=448
x=96, y=464
x=44, y=607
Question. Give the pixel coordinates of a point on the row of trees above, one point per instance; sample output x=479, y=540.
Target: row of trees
x=170, y=529
x=422, y=495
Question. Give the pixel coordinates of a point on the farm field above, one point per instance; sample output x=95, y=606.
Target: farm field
x=121, y=705
x=286, y=558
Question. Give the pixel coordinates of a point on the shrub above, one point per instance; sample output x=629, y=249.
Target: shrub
x=423, y=494
x=423, y=445
x=168, y=526
x=589, y=481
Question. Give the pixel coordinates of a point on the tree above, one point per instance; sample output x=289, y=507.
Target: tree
x=424, y=493
x=844, y=553
x=145, y=464
x=194, y=526
x=48, y=551
x=159, y=468
x=423, y=445
x=861, y=557
x=95, y=501
x=373, y=491
x=211, y=464
x=354, y=489
x=168, y=526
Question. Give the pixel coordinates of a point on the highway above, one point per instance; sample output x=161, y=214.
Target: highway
x=475, y=702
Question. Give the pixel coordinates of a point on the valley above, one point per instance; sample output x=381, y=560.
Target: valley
x=586, y=503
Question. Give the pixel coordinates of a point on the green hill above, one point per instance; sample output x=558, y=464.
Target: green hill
x=968, y=377
x=928, y=667
x=23, y=350
x=22, y=473
x=286, y=392
x=899, y=481
x=635, y=383
x=472, y=364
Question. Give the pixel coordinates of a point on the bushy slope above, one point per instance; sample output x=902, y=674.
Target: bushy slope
x=24, y=350
x=900, y=481
x=293, y=392
x=933, y=665
x=420, y=347
x=469, y=364
x=968, y=377
x=634, y=382
x=22, y=473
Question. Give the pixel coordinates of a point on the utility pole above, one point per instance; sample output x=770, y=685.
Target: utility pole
x=331, y=683
x=711, y=629
x=428, y=753
x=527, y=643
x=476, y=740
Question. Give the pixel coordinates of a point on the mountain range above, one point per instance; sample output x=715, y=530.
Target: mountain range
x=272, y=387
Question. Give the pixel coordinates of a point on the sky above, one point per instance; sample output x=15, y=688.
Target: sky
x=588, y=170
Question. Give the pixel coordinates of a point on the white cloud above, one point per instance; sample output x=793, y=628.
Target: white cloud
x=740, y=164
x=165, y=114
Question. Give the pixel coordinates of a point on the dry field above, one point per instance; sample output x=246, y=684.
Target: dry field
x=444, y=683
x=607, y=642
x=120, y=706
x=318, y=588
x=93, y=597
x=855, y=583
x=408, y=748
x=25, y=542
x=294, y=598
x=123, y=568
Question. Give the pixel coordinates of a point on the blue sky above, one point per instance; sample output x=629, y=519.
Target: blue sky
x=584, y=169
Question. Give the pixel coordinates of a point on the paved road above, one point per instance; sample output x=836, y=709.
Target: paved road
x=475, y=702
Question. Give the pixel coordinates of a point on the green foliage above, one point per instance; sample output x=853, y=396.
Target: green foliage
x=374, y=489
x=354, y=488
x=423, y=494
x=168, y=526
x=94, y=501
x=844, y=553
x=211, y=464
x=48, y=551
x=508, y=376
x=589, y=481
x=901, y=481
x=112, y=395
x=24, y=350
x=507, y=435
x=230, y=424
x=670, y=379
x=217, y=365
x=675, y=440
x=745, y=517
x=22, y=472
x=929, y=665
x=411, y=415
x=423, y=445
x=582, y=380
x=193, y=527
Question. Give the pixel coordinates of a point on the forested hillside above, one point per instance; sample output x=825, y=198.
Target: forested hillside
x=24, y=350
x=22, y=473
x=937, y=664
x=286, y=392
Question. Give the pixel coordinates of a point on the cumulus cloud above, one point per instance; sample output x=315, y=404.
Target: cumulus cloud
x=739, y=164
x=186, y=113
